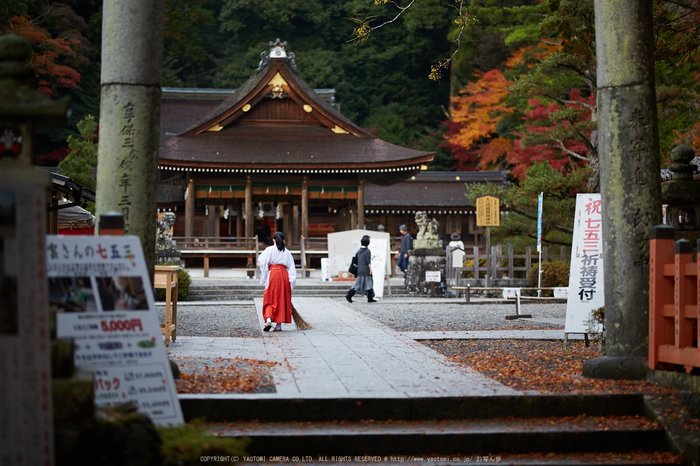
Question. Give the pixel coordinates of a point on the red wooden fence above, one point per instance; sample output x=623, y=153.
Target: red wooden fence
x=674, y=284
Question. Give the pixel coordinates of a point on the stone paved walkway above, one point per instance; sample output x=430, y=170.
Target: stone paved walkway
x=345, y=355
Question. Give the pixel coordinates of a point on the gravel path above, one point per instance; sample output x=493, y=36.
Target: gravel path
x=227, y=320
x=450, y=317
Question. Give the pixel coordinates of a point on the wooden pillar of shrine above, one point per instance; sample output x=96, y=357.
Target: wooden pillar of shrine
x=249, y=207
x=288, y=223
x=239, y=219
x=305, y=208
x=353, y=217
x=295, y=224
x=361, y=205
x=189, y=207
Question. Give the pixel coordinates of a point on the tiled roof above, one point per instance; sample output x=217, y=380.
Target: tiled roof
x=430, y=189
x=216, y=134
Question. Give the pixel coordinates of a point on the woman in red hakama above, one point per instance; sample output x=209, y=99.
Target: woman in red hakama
x=278, y=275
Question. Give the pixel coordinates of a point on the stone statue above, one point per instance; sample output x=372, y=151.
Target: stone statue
x=427, y=237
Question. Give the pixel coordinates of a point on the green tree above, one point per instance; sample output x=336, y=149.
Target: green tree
x=190, y=43
x=81, y=162
x=521, y=203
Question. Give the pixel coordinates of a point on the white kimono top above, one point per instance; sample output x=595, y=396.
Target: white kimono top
x=270, y=256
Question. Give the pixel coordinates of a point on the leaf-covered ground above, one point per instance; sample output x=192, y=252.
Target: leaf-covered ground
x=221, y=375
x=540, y=366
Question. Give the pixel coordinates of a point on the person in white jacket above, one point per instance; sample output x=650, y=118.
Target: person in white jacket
x=278, y=275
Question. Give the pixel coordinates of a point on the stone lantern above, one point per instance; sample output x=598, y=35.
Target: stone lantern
x=681, y=195
x=26, y=424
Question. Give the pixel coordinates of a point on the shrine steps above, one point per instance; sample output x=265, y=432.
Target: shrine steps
x=505, y=429
x=241, y=290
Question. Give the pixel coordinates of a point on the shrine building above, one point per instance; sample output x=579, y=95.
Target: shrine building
x=276, y=154
x=273, y=153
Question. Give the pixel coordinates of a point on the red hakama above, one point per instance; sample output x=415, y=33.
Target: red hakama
x=277, y=299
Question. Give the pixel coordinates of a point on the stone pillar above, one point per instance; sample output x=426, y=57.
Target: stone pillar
x=630, y=180
x=249, y=208
x=305, y=208
x=189, y=207
x=127, y=166
x=361, y=205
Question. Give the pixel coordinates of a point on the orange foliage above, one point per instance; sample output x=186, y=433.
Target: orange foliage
x=479, y=108
x=49, y=52
x=491, y=153
x=528, y=55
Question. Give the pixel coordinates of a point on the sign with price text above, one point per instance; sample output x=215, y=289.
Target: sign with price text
x=488, y=211
x=102, y=293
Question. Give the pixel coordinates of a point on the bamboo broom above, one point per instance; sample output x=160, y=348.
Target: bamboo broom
x=299, y=321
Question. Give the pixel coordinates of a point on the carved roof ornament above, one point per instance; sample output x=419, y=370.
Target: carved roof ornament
x=278, y=50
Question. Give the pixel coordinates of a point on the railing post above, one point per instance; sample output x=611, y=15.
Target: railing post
x=476, y=263
x=661, y=290
x=511, y=275
x=684, y=294
x=528, y=260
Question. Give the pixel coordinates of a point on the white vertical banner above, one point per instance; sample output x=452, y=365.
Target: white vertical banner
x=586, y=273
x=539, y=222
x=379, y=248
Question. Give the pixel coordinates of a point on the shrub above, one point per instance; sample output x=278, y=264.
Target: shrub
x=183, y=285
x=187, y=444
x=470, y=263
x=554, y=274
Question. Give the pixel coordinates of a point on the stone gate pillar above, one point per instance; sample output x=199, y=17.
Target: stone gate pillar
x=630, y=179
x=127, y=167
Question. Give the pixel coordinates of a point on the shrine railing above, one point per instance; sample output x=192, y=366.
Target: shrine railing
x=202, y=242
x=673, y=302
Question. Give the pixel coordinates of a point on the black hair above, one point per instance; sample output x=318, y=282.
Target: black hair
x=278, y=237
x=365, y=240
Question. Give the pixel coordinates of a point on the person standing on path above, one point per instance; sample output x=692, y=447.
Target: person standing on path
x=365, y=282
x=456, y=247
x=406, y=245
x=279, y=276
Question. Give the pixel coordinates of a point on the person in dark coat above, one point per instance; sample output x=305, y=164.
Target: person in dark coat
x=406, y=245
x=364, y=283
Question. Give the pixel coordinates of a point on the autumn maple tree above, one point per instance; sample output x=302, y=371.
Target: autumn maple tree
x=475, y=116
x=57, y=59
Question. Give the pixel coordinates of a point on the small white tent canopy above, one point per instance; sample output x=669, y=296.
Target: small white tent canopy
x=74, y=217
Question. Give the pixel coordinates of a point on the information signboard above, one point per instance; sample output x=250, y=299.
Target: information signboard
x=432, y=276
x=586, y=274
x=101, y=290
x=488, y=211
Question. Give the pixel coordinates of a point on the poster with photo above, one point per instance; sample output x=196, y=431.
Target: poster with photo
x=102, y=294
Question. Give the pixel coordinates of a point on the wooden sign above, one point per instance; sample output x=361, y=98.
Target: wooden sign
x=488, y=211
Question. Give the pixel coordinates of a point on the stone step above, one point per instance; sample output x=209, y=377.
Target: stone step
x=220, y=408
x=440, y=430
x=228, y=291
x=493, y=437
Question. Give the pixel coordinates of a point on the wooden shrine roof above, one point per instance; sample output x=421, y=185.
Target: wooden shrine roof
x=430, y=189
x=275, y=122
